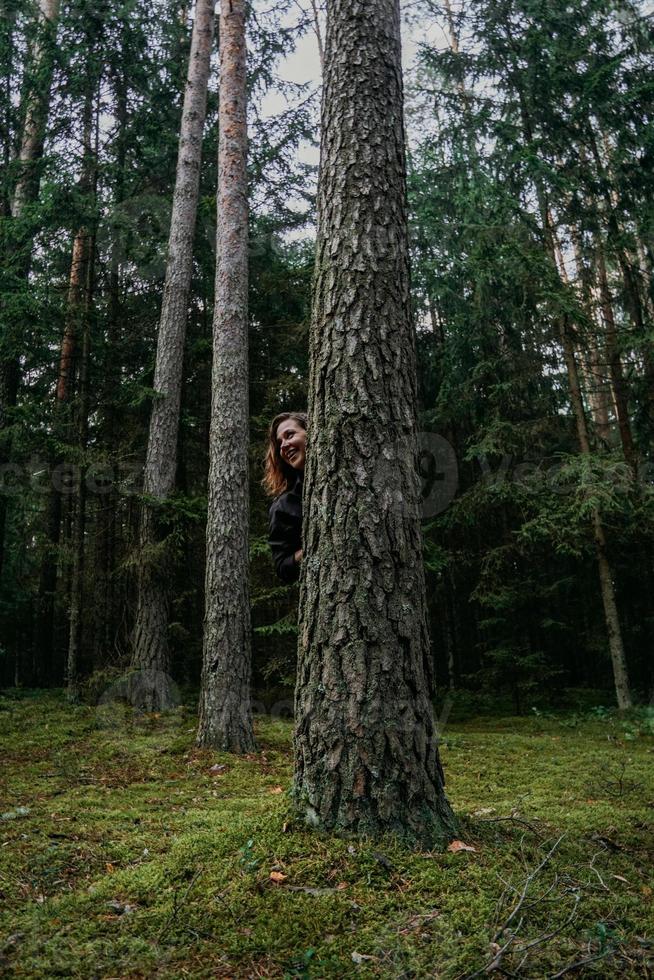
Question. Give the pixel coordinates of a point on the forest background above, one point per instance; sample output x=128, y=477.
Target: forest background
x=531, y=178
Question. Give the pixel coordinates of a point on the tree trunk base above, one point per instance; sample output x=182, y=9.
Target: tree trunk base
x=386, y=780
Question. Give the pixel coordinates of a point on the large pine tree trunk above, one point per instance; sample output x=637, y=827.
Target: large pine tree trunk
x=225, y=709
x=151, y=650
x=366, y=746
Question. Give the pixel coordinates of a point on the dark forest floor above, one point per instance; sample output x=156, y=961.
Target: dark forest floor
x=122, y=854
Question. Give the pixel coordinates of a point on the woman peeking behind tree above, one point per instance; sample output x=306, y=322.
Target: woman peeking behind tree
x=284, y=473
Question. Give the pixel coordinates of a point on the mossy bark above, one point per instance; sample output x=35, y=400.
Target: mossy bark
x=366, y=750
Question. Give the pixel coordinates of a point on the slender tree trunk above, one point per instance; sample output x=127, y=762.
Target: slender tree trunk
x=225, y=709
x=366, y=748
x=9, y=381
x=646, y=276
x=75, y=317
x=79, y=518
x=611, y=617
x=618, y=383
x=593, y=366
x=25, y=191
x=591, y=360
x=108, y=502
x=151, y=650
x=632, y=296
x=83, y=309
x=36, y=110
x=8, y=11
x=318, y=32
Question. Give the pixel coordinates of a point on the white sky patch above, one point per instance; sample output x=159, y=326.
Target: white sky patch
x=303, y=67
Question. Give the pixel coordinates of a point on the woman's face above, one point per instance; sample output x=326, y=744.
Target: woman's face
x=292, y=441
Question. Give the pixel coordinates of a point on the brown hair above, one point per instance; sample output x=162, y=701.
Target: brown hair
x=278, y=476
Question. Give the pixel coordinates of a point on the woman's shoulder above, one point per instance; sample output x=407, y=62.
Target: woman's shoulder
x=280, y=503
x=289, y=502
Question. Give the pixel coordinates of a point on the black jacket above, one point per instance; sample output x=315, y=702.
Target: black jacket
x=285, y=536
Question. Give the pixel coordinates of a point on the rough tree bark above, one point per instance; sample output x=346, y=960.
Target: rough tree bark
x=366, y=742
x=151, y=649
x=225, y=709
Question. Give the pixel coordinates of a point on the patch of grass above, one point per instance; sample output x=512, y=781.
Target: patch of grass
x=123, y=855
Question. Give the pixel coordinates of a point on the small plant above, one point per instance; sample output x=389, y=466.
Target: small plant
x=301, y=969
x=247, y=860
x=604, y=935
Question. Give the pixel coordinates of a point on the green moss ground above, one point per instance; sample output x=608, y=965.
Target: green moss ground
x=123, y=855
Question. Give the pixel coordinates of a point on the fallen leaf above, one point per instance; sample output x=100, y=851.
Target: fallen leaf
x=620, y=878
x=458, y=845
x=218, y=769
x=110, y=868
x=341, y=886
x=277, y=789
x=277, y=877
